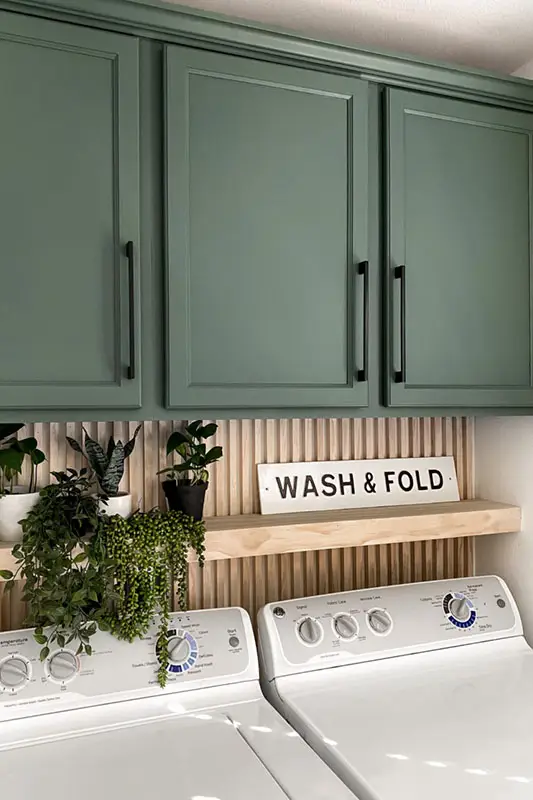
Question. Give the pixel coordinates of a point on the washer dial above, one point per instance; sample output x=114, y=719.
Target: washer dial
x=15, y=673
x=345, y=626
x=310, y=631
x=459, y=610
x=182, y=651
x=379, y=621
x=62, y=667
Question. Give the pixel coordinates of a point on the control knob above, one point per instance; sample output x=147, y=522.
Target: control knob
x=460, y=609
x=310, y=631
x=379, y=621
x=179, y=650
x=14, y=673
x=345, y=626
x=63, y=666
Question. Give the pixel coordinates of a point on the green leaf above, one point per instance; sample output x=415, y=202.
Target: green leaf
x=79, y=558
x=128, y=447
x=213, y=455
x=194, y=427
x=45, y=652
x=207, y=431
x=110, y=447
x=6, y=574
x=39, y=638
x=79, y=650
x=75, y=445
x=9, y=429
x=38, y=457
x=174, y=440
x=60, y=640
x=9, y=585
x=11, y=459
x=93, y=596
x=28, y=445
x=95, y=455
x=115, y=470
x=79, y=596
x=88, y=649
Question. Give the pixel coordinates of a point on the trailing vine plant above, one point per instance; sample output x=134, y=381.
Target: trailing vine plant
x=67, y=574
x=149, y=552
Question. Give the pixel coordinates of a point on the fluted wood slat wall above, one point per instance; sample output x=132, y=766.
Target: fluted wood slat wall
x=250, y=582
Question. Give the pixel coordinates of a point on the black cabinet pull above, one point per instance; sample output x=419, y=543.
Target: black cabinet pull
x=362, y=269
x=399, y=275
x=130, y=253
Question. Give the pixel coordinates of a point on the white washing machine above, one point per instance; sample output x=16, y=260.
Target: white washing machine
x=100, y=727
x=414, y=692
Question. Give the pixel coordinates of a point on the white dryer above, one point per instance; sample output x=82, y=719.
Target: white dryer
x=414, y=692
x=100, y=726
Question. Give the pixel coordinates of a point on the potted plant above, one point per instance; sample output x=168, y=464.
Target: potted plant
x=16, y=501
x=187, y=483
x=149, y=552
x=108, y=467
x=67, y=572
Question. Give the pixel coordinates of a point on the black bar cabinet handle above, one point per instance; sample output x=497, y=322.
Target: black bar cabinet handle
x=399, y=275
x=362, y=269
x=130, y=253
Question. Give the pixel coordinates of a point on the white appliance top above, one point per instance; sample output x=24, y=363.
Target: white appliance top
x=409, y=692
x=100, y=726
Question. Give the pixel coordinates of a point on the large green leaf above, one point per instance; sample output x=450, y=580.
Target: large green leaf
x=109, y=483
x=11, y=459
x=213, y=455
x=9, y=428
x=175, y=440
x=128, y=447
x=38, y=457
x=95, y=455
x=28, y=445
x=110, y=447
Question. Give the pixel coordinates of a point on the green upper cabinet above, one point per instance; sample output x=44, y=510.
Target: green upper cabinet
x=267, y=174
x=459, y=253
x=69, y=205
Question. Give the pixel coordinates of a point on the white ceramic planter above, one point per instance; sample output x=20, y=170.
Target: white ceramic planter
x=13, y=508
x=121, y=505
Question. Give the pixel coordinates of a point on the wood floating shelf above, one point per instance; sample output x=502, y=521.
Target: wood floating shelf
x=257, y=535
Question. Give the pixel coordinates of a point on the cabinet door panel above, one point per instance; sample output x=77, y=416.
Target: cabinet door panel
x=68, y=204
x=460, y=221
x=264, y=232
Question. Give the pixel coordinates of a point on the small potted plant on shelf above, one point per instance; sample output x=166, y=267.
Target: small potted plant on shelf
x=187, y=483
x=108, y=468
x=16, y=501
x=64, y=564
x=149, y=552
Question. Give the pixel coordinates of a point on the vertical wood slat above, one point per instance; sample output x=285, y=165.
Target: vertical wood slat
x=250, y=582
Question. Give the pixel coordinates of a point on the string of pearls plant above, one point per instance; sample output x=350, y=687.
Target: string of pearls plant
x=150, y=555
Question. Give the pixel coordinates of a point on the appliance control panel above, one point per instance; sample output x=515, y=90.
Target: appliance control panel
x=350, y=627
x=205, y=648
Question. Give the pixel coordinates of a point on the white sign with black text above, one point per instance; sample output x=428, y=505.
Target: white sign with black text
x=323, y=485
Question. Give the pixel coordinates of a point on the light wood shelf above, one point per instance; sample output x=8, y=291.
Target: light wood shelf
x=257, y=535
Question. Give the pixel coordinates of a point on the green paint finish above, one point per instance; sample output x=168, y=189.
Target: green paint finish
x=267, y=217
x=70, y=201
x=460, y=178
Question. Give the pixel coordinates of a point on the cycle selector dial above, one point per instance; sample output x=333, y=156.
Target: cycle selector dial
x=310, y=631
x=460, y=609
x=345, y=626
x=379, y=621
x=182, y=650
x=15, y=673
x=63, y=666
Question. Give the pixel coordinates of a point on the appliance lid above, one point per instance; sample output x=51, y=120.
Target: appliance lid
x=448, y=723
x=197, y=757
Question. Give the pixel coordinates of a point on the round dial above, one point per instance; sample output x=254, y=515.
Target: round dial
x=182, y=650
x=179, y=650
x=310, y=631
x=15, y=673
x=62, y=666
x=345, y=626
x=379, y=621
x=460, y=609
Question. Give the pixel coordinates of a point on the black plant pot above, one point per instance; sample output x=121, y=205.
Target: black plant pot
x=186, y=498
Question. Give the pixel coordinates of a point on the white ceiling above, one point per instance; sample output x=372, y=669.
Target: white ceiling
x=492, y=34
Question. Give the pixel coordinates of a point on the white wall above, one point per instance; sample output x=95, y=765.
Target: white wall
x=503, y=451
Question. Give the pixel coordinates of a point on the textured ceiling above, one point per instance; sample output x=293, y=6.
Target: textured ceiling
x=491, y=34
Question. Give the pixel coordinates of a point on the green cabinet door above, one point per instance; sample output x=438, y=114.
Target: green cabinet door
x=460, y=180
x=69, y=200
x=267, y=175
